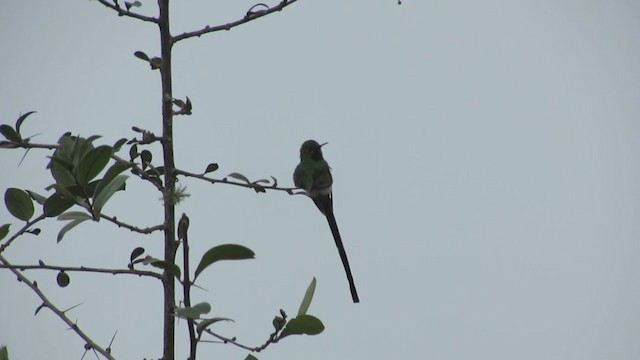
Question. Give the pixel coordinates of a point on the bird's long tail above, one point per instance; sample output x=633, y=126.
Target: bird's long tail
x=328, y=212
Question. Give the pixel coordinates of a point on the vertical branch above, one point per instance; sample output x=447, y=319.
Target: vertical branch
x=170, y=245
x=183, y=227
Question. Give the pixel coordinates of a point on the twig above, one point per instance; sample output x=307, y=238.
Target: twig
x=273, y=338
x=89, y=344
x=21, y=231
x=124, y=12
x=147, y=230
x=254, y=186
x=43, y=266
x=183, y=227
x=249, y=17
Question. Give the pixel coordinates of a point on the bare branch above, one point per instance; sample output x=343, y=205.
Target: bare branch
x=250, y=16
x=147, y=230
x=254, y=186
x=89, y=343
x=43, y=266
x=125, y=12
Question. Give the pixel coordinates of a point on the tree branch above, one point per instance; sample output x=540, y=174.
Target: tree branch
x=43, y=266
x=21, y=231
x=89, y=344
x=250, y=16
x=124, y=12
x=255, y=186
x=147, y=230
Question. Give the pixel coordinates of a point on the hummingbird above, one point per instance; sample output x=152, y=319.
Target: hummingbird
x=313, y=174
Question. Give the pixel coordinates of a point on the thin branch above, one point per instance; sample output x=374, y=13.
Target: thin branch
x=273, y=338
x=89, y=344
x=125, y=12
x=251, y=15
x=147, y=230
x=253, y=186
x=183, y=227
x=43, y=266
x=21, y=231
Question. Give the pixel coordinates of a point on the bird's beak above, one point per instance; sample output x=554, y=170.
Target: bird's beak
x=321, y=145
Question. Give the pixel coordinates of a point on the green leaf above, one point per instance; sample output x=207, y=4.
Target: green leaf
x=56, y=204
x=63, y=279
x=250, y=357
x=21, y=119
x=93, y=163
x=80, y=149
x=19, y=203
x=146, y=156
x=141, y=55
x=136, y=253
x=10, y=134
x=303, y=325
x=115, y=170
x=172, y=269
x=223, y=252
x=239, y=176
x=133, y=152
x=75, y=215
x=193, y=312
x=308, y=296
x=211, y=168
x=68, y=227
x=37, y=197
x=4, y=230
x=107, y=191
x=202, y=325
x=118, y=144
x=4, y=353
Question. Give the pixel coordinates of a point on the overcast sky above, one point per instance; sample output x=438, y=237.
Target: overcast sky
x=485, y=162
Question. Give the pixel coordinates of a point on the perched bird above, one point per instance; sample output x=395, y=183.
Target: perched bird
x=313, y=174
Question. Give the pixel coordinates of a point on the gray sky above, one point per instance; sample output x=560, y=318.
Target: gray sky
x=484, y=157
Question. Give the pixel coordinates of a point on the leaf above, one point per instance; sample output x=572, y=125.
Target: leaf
x=21, y=119
x=202, y=325
x=10, y=134
x=115, y=170
x=172, y=269
x=63, y=279
x=133, y=152
x=74, y=215
x=4, y=230
x=4, y=353
x=19, y=203
x=105, y=194
x=146, y=157
x=223, y=252
x=141, y=55
x=93, y=163
x=308, y=296
x=118, y=144
x=250, y=357
x=211, y=168
x=68, y=227
x=193, y=312
x=37, y=197
x=303, y=325
x=239, y=176
x=129, y=5
x=56, y=204
x=136, y=253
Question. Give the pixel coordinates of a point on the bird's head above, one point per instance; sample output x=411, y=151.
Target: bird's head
x=310, y=149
